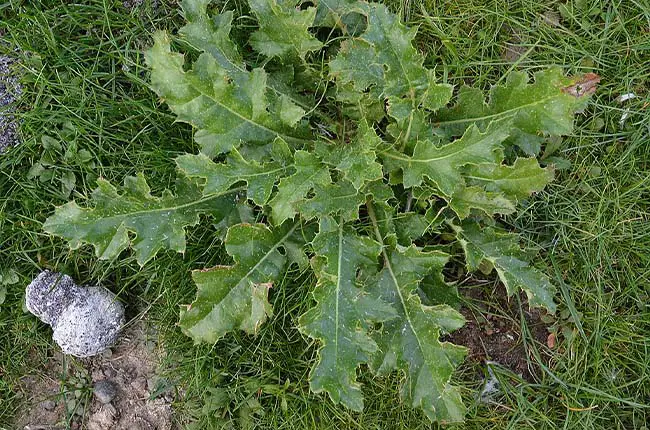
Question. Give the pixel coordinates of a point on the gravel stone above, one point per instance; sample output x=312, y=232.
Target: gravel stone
x=10, y=90
x=140, y=385
x=85, y=320
x=48, y=405
x=105, y=391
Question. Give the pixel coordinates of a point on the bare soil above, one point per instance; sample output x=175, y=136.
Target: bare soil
x=61, y=396
x=493, y=332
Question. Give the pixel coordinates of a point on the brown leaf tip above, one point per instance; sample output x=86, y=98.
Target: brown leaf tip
x=267, y=285
x=583, y=86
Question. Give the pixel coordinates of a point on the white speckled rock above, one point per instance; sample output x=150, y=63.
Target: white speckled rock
x=85, y=320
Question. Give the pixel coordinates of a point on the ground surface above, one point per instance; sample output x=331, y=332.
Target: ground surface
x=61, y=395
x=585, y=368
x=493, y=332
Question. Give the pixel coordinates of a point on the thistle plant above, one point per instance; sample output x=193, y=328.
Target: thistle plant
x=326, y=143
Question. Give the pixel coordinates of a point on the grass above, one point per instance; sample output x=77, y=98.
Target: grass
x=84, y=81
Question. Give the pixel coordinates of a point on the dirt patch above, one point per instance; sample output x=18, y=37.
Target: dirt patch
x=493, y=330
x=514, y=49
x=65, y=394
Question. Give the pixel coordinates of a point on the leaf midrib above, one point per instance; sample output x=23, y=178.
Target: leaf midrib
x=401, y=297
x=266, y=256
x=504, y=113
x=395, y=155
x=243, y=70
x=203, y=199
x=389, y=267
x=504, y=179
x=240, y=176
x=242, y=117
x=338, y=289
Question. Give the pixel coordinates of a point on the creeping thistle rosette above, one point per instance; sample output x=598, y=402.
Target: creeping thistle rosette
x=326, y=117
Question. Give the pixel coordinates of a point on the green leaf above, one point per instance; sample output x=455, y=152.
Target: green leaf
x=331, y=13
x=343, y=312
x=357, y=160
x=310, y=172
x=226, y=107
x=331, y=199
x=384, y=60
x=290, y=112
x=410, y=226
x=359, y=106
x=410, y=342
x=7, y=277
x=502, y=250
x=410, y=129
x=219, y=177
x=517, y=181
x=283, y=28
x=544, y=107
x=157, y=222
x=490, y=203
x=212, y=35
x=236, y=297
x=442, y=164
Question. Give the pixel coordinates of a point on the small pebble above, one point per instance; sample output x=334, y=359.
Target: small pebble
x=151, y=384
x=110, y=409
x=97, y=375
x=109, y=373
x=48, y=405
x=105, y=391
x=140, y=385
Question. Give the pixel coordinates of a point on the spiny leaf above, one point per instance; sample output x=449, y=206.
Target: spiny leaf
x=410, y=342
x=212, y=35
x=502, y=250
x=283, y=28
x=158, y=222
x=410, y=130
x=359, y=106
x=443, y=164
x=277, y=151
x=545, y=107
x=343, y=311
x=383, y=59
x=219, y=177
x=235, y=297
x=310, y=172
x=410, y=226
x=226, y=108
x=342, y=14
x=329, y=199
x=357, y=160
x=490, y=203
x=517, y=181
